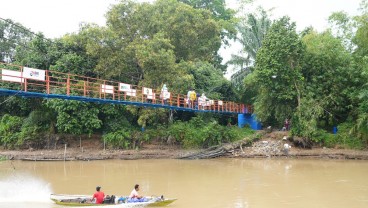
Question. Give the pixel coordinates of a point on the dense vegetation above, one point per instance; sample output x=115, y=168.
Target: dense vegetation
x=317, y=79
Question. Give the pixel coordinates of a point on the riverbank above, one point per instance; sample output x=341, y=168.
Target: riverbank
x=172, y=153
x=269, y=146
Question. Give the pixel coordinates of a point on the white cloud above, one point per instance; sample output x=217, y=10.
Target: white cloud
x=310, y=13
x=55, y=18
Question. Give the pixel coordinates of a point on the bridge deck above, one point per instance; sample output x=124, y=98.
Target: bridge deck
x=27, y=82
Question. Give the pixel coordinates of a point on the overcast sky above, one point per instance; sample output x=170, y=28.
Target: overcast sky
x=54, y=18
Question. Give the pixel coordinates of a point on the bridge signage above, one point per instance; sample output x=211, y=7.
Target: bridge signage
x=31, y=73
x=124, y=87
x=11, y=76
x=107, y=89
x=147, y=91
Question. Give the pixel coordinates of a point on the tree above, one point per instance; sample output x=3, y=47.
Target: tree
x=12, y=35
x=175, y=31
x=278, y=72
x=328, y=62
x=72, y=56
x=36, y=53
x=252, y=30
x=343, y=26
x=225, y=16
x=210, y=81
x=156, y=57
x=360, y=128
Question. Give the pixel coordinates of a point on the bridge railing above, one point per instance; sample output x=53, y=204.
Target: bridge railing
x=15, y=77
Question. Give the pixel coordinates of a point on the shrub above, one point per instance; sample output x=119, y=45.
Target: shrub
x=347, y=139
x=343, y=138
x=199, y=134
x=10, y=127
x=118, y=139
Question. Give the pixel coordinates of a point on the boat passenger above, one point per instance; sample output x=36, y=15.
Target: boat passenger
x=135, y=197
x=134, y=194
x=99, y=195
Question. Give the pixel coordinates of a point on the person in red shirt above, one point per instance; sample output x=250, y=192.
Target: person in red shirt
x=99, y=195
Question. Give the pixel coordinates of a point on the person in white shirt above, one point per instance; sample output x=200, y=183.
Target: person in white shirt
x=134, y=194
x=163, y=94
x=287, y=147
x=202, y=101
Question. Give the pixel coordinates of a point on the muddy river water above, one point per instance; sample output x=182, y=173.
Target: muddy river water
x=216, y=183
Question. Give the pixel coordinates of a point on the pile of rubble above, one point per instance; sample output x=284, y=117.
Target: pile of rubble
x=268, y=148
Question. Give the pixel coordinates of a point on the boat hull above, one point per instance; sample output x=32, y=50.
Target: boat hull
x=85, y=201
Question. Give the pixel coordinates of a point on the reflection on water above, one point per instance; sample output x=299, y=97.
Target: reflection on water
x=232, y=183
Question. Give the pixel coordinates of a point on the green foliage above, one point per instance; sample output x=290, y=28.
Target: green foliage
x=10, y=127
x=317, y=79
x=249, y=88
x=42, y=119
x=225, y=16
x=252, y=29
x=17, y=105
x=198, y=133
x=17, y=132
x=148, y=41
x=360, y=128
x=36, y=53
x=152, y=117
x=327, y=62
x=211, y=81
x=278, y=72
x=343, y=138
x=305, y=120
x=156, y=56
x=12, y=35
x=348, y=139
x=118, y=139
x=31, y=136
x=75, y=117
x=114, y=118
x=343, y=27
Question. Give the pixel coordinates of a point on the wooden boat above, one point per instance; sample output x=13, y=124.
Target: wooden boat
x=47, y=159
x=85, y=200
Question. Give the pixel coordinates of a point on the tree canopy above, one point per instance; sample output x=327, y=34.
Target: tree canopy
x=316, y=79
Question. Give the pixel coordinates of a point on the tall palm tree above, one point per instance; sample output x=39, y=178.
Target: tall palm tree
x=252, y=29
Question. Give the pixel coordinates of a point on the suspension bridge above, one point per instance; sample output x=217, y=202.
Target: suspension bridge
x=29, y=82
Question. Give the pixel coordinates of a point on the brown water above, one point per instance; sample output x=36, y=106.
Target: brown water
x=233, y=183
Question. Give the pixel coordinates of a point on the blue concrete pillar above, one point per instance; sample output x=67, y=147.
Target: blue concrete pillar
x=241, y=120
x=249, y=119
x=255, y=125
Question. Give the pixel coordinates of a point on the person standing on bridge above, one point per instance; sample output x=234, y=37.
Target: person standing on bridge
x=163, y=95
x=192, y=98
x=202, y=101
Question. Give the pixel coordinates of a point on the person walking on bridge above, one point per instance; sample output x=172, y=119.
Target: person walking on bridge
x=192, y=98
